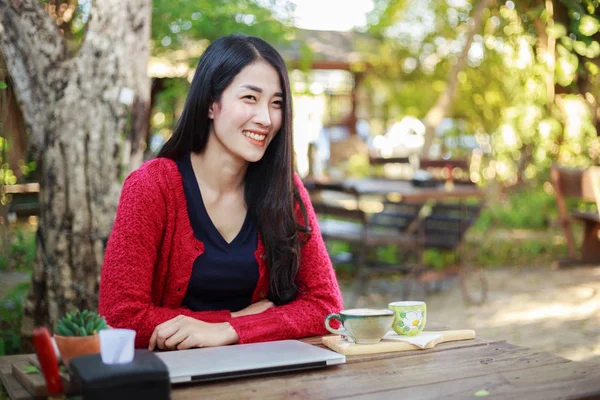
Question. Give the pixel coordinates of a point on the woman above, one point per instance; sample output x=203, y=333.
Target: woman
x=215, y=241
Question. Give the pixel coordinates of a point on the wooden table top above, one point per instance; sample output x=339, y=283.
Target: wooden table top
x=408, y=191
x=403, y=190
x=450, y=370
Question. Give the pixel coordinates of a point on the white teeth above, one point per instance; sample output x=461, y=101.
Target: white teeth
x=254, y=136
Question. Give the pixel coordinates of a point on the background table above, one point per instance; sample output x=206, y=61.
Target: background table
x=450, y=370
x=409, y=192
x=368, y=214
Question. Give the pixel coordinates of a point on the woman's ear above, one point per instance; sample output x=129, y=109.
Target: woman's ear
x=211, y=111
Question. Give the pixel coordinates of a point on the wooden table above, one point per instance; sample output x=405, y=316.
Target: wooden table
x=450, y=370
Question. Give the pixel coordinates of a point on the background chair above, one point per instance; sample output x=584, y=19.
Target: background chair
x=583, y=185
x=341, y=218
x=411, y=227
x=440, y=226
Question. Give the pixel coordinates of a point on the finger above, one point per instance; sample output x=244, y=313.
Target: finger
x=165, y=331
x=178, y=337
x=188, y=343
x=152, y=343
x=162, y=337
x=161, y=327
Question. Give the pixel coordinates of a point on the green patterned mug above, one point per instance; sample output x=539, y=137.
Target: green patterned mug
x=409, y=317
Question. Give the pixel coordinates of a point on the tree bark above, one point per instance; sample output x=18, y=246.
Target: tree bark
x=443, y=105
x=81, y=112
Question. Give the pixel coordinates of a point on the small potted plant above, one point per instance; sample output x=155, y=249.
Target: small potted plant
x=76, y=334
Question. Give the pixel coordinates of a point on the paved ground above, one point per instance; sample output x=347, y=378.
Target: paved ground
x=557, y=311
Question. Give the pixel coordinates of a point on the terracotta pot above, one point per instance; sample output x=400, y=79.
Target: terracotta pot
x=74, y=346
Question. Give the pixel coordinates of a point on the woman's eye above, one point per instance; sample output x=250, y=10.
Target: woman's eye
x=278, y=103
x=250, y=97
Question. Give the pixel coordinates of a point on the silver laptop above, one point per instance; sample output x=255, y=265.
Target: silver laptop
x=213, y=363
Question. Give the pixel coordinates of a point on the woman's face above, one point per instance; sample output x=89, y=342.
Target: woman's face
x=249, y=113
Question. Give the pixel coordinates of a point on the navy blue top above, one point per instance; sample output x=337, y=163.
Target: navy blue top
x=225, y=275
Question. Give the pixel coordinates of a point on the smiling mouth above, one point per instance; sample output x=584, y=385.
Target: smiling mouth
x=256, y=138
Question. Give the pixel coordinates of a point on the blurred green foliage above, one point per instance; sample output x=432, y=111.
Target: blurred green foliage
x=7, y=176
x=175, y=24
x=20, y=258
x=530, y=90
x=439, y=259
x=11, y=311
x=21, y=253
x=523, y=209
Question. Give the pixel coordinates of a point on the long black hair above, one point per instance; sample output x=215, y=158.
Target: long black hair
x=269, y=189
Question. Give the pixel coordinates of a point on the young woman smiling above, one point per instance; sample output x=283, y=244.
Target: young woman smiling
x=215, y=241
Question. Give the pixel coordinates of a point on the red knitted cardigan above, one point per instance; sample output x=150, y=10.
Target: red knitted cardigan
x=149, y=258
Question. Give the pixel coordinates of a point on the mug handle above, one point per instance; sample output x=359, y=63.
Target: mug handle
x=330, y=329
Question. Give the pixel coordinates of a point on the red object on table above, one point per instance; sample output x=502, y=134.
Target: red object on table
x=44, y=350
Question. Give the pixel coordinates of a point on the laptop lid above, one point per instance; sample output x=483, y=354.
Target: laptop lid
x=213, y=363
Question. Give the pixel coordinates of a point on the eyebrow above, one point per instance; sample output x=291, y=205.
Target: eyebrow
x=259, y=90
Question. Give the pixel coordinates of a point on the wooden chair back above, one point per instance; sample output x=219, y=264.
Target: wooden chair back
x=582, y=184
x=575, y=182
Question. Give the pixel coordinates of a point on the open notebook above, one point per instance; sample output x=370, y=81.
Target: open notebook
x=207, y=364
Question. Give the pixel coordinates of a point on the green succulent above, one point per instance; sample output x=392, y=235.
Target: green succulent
x=80, y=323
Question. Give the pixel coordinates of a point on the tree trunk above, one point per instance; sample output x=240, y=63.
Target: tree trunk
x=81, y=112
x=443, y=105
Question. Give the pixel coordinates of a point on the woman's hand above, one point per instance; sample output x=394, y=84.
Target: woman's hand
x=255, y=308
x=184, y=332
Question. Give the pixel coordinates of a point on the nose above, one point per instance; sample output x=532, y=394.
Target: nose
x=263, y=116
